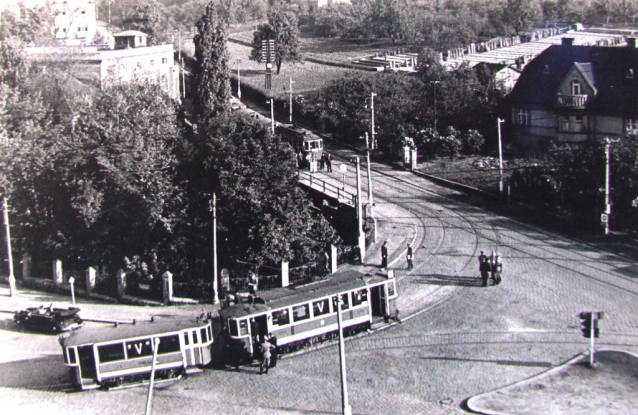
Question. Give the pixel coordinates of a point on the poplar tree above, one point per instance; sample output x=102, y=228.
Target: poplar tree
x=211, y=74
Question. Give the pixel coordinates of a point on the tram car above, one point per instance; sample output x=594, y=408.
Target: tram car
x=303, y=142
x=111, y=357
x=302, y=316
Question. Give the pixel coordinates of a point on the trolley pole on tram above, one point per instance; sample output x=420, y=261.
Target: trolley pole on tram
x=149, y=398
x=215, y=285
x=12, y=279
x=345, y=406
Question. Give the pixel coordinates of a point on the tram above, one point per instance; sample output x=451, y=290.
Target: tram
x=302, y=316
x=303, y=142
x=111, y=357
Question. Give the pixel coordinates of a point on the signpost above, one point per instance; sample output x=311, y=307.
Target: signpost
x=268, y=56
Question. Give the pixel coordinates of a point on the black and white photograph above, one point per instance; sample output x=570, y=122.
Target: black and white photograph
x=350, y=207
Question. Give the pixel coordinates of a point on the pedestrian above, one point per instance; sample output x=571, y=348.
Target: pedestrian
x=384, y=254
x=497, y=269
x=328, y=162
x=272, y=339
x=326, y=260
x=484, y=268
x=322, y=162
x=409, y=257
x=265, y=360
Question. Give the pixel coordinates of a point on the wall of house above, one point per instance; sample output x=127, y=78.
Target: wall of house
x=74, y=20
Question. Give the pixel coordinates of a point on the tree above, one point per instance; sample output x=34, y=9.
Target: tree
x=283, y=28
x=32, y=24
x=211, y=74
x=519, y=15
x=150, y=17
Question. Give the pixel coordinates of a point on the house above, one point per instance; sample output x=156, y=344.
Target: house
x=130, y=61
x=74, y=20
x=576, y=94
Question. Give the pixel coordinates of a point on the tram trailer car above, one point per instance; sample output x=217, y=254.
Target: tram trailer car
x=301, y=316
x=111, y=357
x=302, y=141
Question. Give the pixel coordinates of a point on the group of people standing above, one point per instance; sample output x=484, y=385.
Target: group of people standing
x=491, y=266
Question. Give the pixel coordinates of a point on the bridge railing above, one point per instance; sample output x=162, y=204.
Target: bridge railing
x=327, y=188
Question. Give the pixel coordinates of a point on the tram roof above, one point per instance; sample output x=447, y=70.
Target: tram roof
x=128, y=331
x=284, y=297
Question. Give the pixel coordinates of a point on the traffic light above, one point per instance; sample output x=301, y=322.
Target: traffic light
x=585, y=324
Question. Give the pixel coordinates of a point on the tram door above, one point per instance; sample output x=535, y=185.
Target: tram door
x=87, y=363
x=375, y=301
x=389, y=298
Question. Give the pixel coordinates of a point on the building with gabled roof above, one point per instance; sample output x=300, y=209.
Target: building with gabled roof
x=575, y=94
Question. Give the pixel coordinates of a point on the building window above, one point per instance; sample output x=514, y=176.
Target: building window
x=572, y=124
x=521, y=116
x=631, y=126
x=576, y=88
x=164, y=61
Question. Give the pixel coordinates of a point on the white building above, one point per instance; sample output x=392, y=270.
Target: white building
x=74, y=20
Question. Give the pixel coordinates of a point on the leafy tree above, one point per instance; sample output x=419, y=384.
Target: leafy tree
x=32, y=24
x=472, y=142
x=150, y=17
x=519, y=15
x=211, y=74
x=283, y=28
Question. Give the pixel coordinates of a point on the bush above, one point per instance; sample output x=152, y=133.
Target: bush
x=472, y=142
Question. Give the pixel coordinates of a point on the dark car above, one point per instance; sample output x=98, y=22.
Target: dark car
x=49, y=319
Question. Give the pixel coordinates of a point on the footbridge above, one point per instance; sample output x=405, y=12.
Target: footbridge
x=328, y=186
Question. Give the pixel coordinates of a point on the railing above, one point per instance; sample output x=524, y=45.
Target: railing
x=572, y=101
x=327, y=188
x=306, y=273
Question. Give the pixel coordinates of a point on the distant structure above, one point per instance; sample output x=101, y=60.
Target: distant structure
x=74, y=21
x=576, y=94
x=128, y=60
x=321, y=3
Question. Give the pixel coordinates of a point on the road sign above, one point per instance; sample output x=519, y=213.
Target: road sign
x=604, y=218
x=267, y=50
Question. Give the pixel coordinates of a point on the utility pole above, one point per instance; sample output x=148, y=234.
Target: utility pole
x=500, y=156
x=607, y=186
x=370, y=199
x=238, y=80
x=290, y=117
x=272, y=114
x=12, y=278
x=149, y=398
x=373, y=144
x=434, y=93
x=361, y=234
x=345, y=406
x=179, y=46
x=183, y=79
x=214, y=208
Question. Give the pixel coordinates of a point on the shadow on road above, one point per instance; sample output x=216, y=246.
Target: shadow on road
x=45, y=373
x=498, y=362
x=453, y=280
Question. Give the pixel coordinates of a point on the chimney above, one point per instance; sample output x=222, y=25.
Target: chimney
x=567, y=41
x=631, y=42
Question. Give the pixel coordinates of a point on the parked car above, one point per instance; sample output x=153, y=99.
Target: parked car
x=236, y=104
x=49, y=319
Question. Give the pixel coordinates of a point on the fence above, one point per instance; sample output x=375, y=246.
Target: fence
x=196, y=289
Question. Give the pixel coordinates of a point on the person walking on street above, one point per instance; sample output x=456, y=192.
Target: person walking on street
x=384, y=254
x=265, y=352
x=484, y=268
x=328, y=162
x=409, y=257
x=497, y=269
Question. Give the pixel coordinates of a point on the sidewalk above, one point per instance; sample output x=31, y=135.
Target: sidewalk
x=571, y=388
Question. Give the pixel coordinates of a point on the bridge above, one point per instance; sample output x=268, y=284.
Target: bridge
x=328, y=186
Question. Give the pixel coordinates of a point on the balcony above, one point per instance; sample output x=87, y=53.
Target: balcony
x=572, y=101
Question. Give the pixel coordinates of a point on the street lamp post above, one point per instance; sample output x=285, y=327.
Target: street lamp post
x=238, y=80
x=149, y=398
x=434, y=93
x=373, y=143
x=214, y=207
x=12, y=278
x=345, y=406
x=290, y=117
x=607, y=212
x=370, y=199
x=500, y=156
x=361, y=234
x=272, y=114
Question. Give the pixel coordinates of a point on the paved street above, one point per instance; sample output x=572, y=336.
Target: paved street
x=468, y=340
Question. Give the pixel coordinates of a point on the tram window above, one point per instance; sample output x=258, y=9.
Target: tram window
x=390, y=286
x=321, y=307
x=202, y=332
x=186, y=342
x=210, y=335
x=345, y=303
x=71, y=352
x=359, y=297
x=168, y=344
x=280, y=317
x=243, y=327
x=301, y=312
x=233, y=328
x=139, y=348
x=195, y=337
x=111, y=352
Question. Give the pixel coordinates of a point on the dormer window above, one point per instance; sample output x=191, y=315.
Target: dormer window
x=546, y=70
x=575, y=87
x=631, y=126
x=630, y=74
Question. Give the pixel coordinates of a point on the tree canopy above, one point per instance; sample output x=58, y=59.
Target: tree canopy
x=283, y=28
